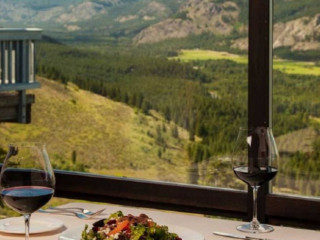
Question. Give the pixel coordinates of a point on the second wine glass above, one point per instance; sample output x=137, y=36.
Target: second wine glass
x=255, y=162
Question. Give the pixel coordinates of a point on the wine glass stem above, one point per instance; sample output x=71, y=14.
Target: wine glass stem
x=255, y=223
x=27, y=225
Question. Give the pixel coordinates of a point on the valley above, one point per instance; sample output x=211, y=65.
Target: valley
x=285, y=66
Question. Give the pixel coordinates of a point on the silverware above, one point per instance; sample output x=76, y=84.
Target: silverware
x=82, y=210
x=238, y=236
x=78, y=214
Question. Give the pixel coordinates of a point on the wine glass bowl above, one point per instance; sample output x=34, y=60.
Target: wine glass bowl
x=27, y=179
x=255, y=162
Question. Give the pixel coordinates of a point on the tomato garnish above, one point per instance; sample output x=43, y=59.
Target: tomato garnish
x=120, y=226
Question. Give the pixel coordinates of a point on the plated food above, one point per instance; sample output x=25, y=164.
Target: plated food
x=127, y=227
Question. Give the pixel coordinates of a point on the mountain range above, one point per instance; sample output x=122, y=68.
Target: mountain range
x=296, y=23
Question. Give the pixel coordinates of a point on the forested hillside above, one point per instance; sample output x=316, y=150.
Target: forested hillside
x=206, y=98
x=176, y=89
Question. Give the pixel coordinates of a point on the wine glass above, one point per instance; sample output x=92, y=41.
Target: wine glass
x=27, y=179
x=255, y=162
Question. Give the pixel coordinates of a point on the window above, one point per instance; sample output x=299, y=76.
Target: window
x=170, y=193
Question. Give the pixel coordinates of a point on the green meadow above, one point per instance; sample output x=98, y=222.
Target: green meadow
x=286, y=66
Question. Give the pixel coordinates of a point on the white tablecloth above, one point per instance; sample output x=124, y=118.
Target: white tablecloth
x=199, y=223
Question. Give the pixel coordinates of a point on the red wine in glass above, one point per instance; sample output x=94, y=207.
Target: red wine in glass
x=255, y=178
x=255, y=162
x=27, y=179
x=26, y=199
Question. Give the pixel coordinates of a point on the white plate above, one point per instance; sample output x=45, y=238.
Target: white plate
x=38, y=224
x=183, y=233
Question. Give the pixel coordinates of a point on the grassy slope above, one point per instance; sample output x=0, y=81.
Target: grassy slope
x=300, y=140
x=286, y=66
x=108, y=136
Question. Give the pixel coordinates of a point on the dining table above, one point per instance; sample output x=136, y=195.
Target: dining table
x=190, y=226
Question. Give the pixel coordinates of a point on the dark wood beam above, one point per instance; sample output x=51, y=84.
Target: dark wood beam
x=9, y=107
x=161, y=195
x=295, y=211
x=259, y=80
x=260, y=63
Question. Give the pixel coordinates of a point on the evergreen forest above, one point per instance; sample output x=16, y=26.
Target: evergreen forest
x=207, y=98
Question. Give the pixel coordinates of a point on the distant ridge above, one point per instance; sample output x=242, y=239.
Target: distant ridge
x=48, y=39
x=297, y=23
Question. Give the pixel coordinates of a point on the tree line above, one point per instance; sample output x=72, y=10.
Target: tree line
x=180, y=91
x=208, y=98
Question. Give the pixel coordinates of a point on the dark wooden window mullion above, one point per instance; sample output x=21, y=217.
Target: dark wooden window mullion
x=260, y=76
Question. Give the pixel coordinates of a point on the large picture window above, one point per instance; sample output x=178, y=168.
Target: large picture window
x=140, y=103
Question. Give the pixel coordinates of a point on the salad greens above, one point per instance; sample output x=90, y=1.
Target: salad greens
x=120, y=227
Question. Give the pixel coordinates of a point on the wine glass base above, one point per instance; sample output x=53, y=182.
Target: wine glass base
x=263, y=228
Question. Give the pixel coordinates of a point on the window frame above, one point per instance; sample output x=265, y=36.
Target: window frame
x=154, y=194
x=272, y=208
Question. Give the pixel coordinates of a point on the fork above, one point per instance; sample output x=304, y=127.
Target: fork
x=82, y=210
x=78, y=214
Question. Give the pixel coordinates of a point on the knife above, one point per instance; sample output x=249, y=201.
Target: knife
x=238, y=236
